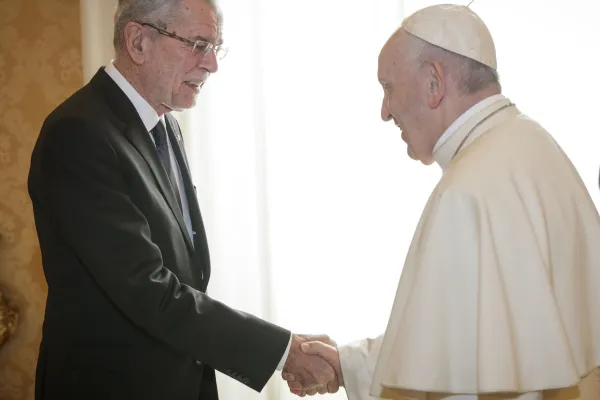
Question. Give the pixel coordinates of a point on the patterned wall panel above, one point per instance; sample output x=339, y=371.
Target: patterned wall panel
x=40, y=65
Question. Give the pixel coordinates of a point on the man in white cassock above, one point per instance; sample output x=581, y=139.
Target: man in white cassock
x=499, y=296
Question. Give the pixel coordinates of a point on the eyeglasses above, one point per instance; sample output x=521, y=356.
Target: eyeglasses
x=197, y=46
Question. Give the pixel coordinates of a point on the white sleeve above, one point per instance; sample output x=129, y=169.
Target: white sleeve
x=285, y=355
x=358, y=361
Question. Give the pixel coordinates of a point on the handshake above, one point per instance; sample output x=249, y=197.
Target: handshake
x=313, y=366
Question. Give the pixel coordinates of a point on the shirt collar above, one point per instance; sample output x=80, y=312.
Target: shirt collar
x=461, y=128
x=148, y=115
x=465, y=117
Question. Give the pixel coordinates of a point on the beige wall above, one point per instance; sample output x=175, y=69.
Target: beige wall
x=40, y=65
x=96, y=34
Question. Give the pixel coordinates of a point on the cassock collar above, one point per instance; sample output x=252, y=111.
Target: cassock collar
x=451, y=139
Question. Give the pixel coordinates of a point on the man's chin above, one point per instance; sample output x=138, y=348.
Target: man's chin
x=424, y=161
x=411, y=154
x=180, y=105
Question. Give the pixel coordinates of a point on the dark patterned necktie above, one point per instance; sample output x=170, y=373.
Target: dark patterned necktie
x=162, y=146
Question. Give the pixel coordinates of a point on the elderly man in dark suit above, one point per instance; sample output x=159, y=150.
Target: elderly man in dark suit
x=123, y=244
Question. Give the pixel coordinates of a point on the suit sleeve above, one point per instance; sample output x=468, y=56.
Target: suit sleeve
x=358, y=360
x=84, y=190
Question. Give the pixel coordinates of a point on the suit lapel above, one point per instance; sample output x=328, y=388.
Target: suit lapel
x=140, y=138
x=200, y=239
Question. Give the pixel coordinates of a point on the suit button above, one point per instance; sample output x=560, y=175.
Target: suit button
x=198, y=362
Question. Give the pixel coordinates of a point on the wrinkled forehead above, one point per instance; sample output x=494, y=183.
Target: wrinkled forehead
x=199, y=18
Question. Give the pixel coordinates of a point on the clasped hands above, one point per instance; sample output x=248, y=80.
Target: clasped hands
x=313, y=366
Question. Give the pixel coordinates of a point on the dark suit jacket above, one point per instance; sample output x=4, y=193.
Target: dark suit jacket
x=127, y=317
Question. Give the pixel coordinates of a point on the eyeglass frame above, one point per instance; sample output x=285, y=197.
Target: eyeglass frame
x=217, y=48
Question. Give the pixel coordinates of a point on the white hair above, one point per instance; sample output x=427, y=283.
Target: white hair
x=469, y=75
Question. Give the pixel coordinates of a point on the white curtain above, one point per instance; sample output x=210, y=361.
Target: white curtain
x=309, y=199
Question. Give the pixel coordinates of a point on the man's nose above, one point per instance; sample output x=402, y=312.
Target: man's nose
x=385, y=112
x=210, y=62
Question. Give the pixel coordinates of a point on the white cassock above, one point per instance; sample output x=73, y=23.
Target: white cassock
x=500, y=291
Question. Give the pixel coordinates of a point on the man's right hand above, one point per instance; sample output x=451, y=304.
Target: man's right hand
x=325, y=348
x=309, y=370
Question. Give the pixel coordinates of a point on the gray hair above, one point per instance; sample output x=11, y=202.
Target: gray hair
x=158, y=12
x=154, y=11
x=469, y=75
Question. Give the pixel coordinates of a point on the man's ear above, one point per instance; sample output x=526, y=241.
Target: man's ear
x=436, y=84
x=136, y=42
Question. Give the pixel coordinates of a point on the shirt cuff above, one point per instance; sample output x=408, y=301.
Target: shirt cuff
x=285, y=355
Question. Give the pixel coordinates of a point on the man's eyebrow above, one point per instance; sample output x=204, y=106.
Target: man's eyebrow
x=198, y=37
x=205, y=39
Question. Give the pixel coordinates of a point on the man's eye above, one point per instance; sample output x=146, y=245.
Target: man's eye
x=202, y=46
